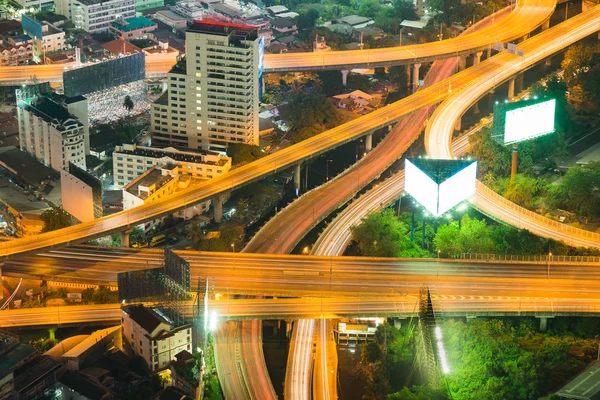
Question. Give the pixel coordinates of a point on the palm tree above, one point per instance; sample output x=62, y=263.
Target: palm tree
x=128, y=103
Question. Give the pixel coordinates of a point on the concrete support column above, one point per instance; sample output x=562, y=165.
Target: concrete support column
x=297, y=168
x=491, y=99
x=218, y=201
x=476, y=107
x=543, y=324
x=457, y=126
x=288, y=328
x=125, y=237
x=477, y=57
x=546, y=24
x=519, y=81
x=408, y=70
x=369, y=142
x=462, y=63
x=416, y=68
x=511, y=88
x=1, y=285
x=524, y=38
x=548, y=62
x=345, y=76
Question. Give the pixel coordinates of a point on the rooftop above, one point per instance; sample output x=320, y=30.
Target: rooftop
x=94, y=2
x=51, y=111
x=226, y=10
x=144, y=317
x=132, y=24
x=13, y=196
x=163, y=100
x=90, y=341
x=172, y=15
x=198, y=156
x=14, y=357
x=277, y=9
x=153, y=176
x=354, y=20
x=282, y=23
x=585, y=386
x=240, y=32
x=32, y=372
x=84, y=386
x=120, y=46
x=9, y=26
x=173, y=393
x=25, y=165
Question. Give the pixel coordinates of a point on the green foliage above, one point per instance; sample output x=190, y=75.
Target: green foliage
x=242, y=153
x=253, y=201
x=310, y=114
x=195, y=233
x=418, y=393
x=359, y=82
x=307, y=19
x=494, y=359
x=331, y=82
x=525, y=191
x=104, y=296
x=578, y=191
x=229, y=232
x=582, y=76
x=382, y=234
x=42, y=345
x=471, y=237
x=55, y=218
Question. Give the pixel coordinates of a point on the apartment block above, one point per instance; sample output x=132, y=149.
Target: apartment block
x=131, y=160
x=213, y=94
x=96, y=15
x=54, y=130
x=152, y=336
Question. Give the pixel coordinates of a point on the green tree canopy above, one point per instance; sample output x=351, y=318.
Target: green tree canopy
x=382, y=234
x=55, y=218
x=310, y=114
x=579, y=190
x=242, y=153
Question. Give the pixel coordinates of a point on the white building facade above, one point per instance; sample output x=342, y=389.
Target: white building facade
x=96, y=15
x=49, y=132
x=213, y=95
x=153, y=337
x=130, y=161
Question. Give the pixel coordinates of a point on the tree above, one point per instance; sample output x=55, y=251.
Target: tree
x=310, y=114
x=242, y=153
x=128, y=103
x=578, y=192
x=446, y=240
x=195, y=233
x=306, y=20
x=525, y=191
x=381, y=234
x=582, y=75
x=55, y=218
x=331, y=82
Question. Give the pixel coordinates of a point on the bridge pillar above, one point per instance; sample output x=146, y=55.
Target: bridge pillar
x=288, y=328
x=548, y=62
x=1, y=285
x=491, y=99
x=519, y=81
x=408, y=70
x=457, y=126
x=477, y=57
x=416, y=68
x=546, y=24
x=462, y=63
x=511, y=88
x=369, y=142
x=218, y=201
x=544, y=323
x=297, y=168
x=345, y=76
x=524, y=38
x=476, y=107
x=125, y=237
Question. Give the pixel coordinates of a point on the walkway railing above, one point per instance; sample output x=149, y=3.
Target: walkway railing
x=538, y=258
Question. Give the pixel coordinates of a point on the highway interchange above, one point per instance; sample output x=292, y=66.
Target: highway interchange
x=575, y=294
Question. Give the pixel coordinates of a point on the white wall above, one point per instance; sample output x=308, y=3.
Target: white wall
x=77, y=197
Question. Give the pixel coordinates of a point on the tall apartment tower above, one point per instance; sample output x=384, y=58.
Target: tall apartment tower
x=213, y=94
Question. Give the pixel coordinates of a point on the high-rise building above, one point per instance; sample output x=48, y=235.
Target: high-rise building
x=96, y=15
x=53, y=130
x=213, y=94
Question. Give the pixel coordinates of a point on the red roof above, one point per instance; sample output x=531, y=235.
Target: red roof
x=223, y=24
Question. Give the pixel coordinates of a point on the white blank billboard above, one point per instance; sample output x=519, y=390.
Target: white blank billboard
x=457, y=188
x=529, y=122
x=421, y=187
x=439, y=198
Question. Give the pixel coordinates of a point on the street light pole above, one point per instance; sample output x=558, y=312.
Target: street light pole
x=549, y=258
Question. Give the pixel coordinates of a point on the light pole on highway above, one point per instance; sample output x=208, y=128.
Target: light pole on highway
x=438, y=264
x=233, y=247
x=549, y=258
x=327, y=170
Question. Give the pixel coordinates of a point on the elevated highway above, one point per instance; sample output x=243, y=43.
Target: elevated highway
x=256, y=170
x=471, y=306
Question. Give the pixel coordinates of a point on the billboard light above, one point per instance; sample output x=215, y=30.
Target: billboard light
x=439, y=185
x=523, y=120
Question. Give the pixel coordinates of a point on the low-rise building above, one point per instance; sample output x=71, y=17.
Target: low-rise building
x=76, y=386
x=92, y=348
x=172, y=19
x=356, y=21
x=50, y=131
x=96, y=15
x=151, y=336
x=130, y=161
x=21, y=211
x=13, y=55
x=158, y=183
x=133, y=28
x=274, y=11
x=190, y=10
x=283, y=25
x=46, y=38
